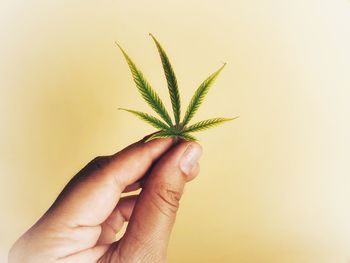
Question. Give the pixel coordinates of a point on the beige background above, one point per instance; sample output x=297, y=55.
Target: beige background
x=274, y=185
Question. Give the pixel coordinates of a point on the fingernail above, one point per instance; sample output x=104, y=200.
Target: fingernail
x=190, y=157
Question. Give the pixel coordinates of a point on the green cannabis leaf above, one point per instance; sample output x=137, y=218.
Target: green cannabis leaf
x=166, y=126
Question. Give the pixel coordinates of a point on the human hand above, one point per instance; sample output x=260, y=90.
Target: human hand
x=82, y=223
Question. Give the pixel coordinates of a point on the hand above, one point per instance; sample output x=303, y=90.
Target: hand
x=82, y=223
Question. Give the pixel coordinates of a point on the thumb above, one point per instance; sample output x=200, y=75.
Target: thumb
x=148, y=232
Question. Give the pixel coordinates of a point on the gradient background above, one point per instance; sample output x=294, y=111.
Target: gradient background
x=274, y=184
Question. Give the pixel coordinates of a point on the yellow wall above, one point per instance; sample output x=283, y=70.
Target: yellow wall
x=274, y=185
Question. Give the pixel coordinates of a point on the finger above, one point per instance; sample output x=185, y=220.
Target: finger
x=133, y=187
x=194, y=172
x=94, y=192
x=89, y=255
x=139, y=184
x=154, y=214
x=116, y=219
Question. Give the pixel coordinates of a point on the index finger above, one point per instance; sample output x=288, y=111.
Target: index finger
x=93, y=193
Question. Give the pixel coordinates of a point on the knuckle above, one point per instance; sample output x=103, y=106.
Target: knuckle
x=99, y=163
x=167, y=198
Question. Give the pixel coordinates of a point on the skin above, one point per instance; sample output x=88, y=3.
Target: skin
x=82, y=223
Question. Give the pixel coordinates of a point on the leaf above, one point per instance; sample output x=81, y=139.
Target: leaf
x=160, y=134
x=169, y=134
x=166, y=128
x=187, y=137
x=207, y=124
x=148, y=118
x=146, y=91
x=199, y=95
x=171, y=80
